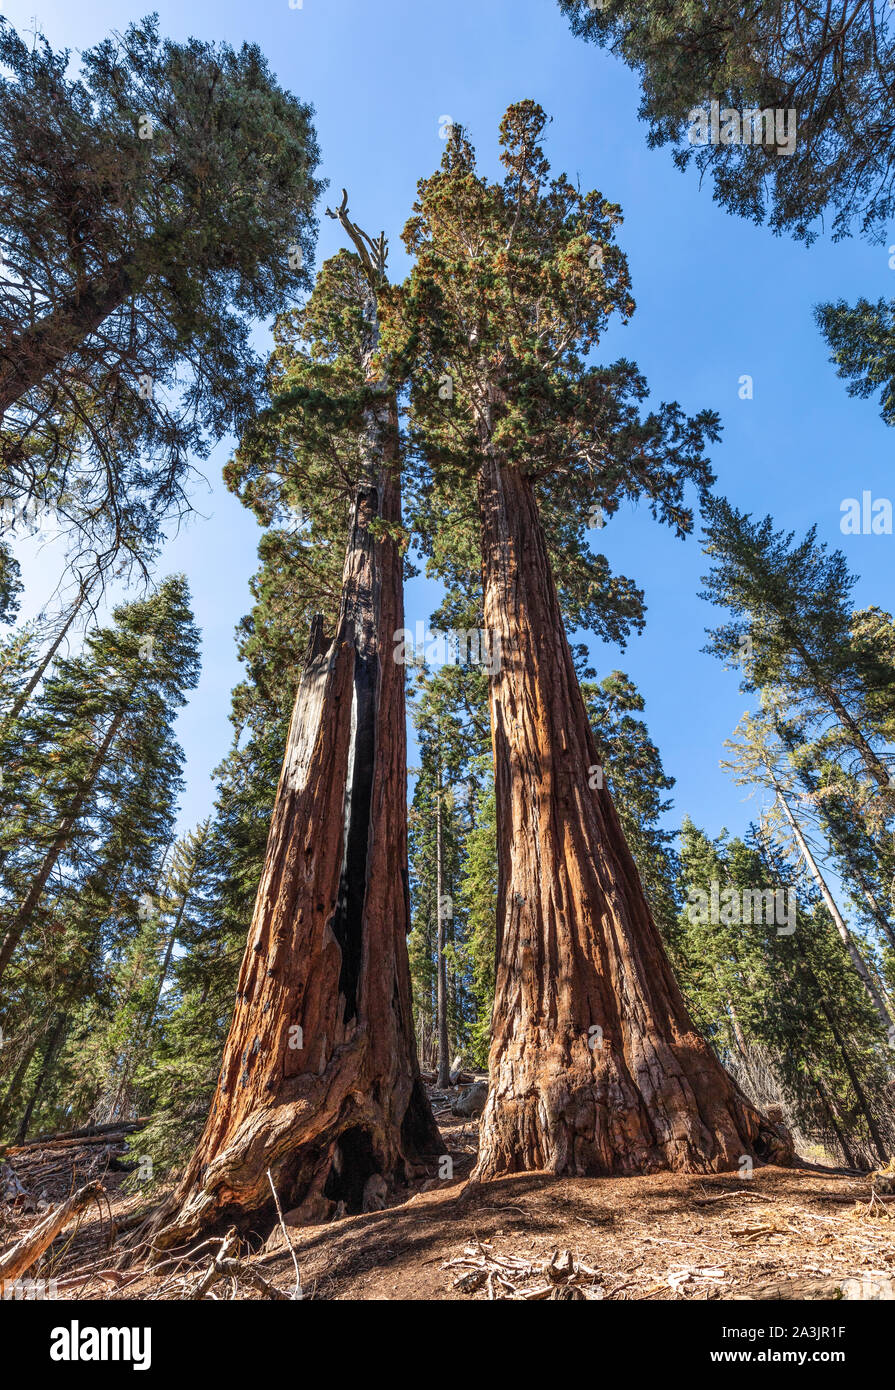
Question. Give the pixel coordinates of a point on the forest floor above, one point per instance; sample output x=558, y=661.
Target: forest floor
x=799, y=1232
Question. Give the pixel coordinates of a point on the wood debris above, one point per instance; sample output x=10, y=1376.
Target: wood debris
x=517, y=1277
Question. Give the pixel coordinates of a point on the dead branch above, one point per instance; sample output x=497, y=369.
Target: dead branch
x=32, y=1245
x=297, y=1293
x=373, y=254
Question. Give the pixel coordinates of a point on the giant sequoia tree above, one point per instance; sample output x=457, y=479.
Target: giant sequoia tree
x=596, y=1066
x=319, y=1084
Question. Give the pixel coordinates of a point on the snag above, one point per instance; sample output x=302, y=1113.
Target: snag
x=320, y=1082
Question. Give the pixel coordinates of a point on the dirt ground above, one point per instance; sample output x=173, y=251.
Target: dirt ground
x=783, y=1232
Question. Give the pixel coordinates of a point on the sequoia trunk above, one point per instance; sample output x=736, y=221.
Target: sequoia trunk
x=595, y=1065
x=320, y=1082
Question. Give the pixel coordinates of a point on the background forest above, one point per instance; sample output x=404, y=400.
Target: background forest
x=204, y=316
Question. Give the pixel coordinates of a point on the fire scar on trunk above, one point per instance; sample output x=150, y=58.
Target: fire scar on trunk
x=320, y=1082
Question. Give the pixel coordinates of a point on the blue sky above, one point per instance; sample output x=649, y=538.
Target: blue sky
x=717, y=298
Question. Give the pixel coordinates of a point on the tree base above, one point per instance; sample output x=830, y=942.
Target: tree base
x=327, y=1151
x=594, y=1120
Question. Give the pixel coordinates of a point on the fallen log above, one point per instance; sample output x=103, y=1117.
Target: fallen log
x=90, y=1134
x=32, y=1245
x=37, y=1144
x=112, y=1127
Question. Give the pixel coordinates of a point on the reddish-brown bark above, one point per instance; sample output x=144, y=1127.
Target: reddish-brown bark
x=596, y=1066
x=327, y=948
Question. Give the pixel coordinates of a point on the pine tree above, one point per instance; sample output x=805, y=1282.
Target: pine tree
x=834, y=73
x=152, y=208
x=104, y=827
x=863, y=859
x=100, y=721
x=760, y=759
x=792, y=631
x=861, y=339
x=125, y=1049
x=782, y=1008
x=478, y=891
x=10, y=584
x=450, y=715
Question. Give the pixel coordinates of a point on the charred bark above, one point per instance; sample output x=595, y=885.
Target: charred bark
x=320, y=1082
x=596, y=1066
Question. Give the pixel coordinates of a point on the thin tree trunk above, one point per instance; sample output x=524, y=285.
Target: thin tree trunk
x=11, y=1094
x=805, y=965
x=876, y=910
x=742, y=1046
x=53, y=1048
x=42, y=666
x=835, y=834
x=320, y=1081
x=140, y=1037
x=855, y=956
x=172, y=937
x=871, y=759
x=444, y=1061
x=850, y=1158
x=24, y=914
x=596, y=1066
x=858, y=1089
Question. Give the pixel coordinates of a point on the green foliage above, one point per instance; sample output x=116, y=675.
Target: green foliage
x=512, y=287
x=633, y=772
x=478, y=891
x=785, y=1012
x=835, y=71
x=793, y=629
x=862, y=346
x=450, y=717
x=10, y=584
x=88, y=921
x=150, y=211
